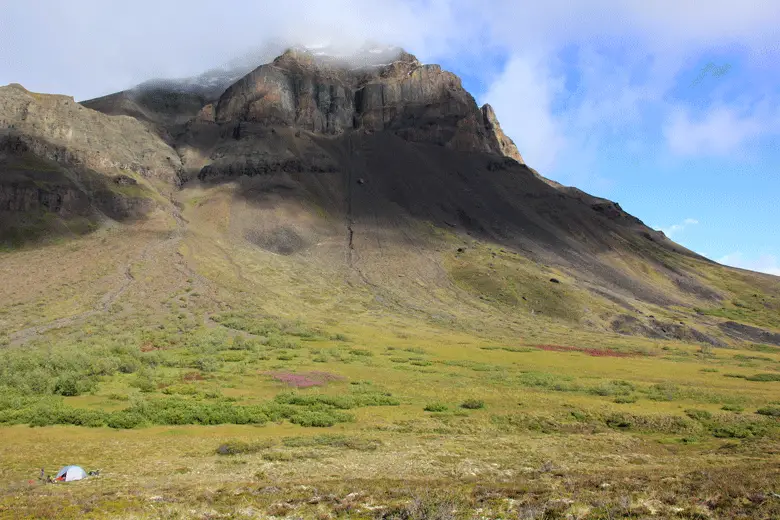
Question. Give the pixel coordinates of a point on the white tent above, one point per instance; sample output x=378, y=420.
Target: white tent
x=71, y=473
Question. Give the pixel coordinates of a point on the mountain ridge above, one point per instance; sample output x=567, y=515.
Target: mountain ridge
x=357, y=159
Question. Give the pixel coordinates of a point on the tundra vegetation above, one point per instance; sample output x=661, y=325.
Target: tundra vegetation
x=208, y=404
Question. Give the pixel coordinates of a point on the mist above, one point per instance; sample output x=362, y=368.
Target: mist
x=87, y=48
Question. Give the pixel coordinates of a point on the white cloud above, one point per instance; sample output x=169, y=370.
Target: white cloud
x=522, y=97
x=764, y=264
x=663, y=35
x=674, y=229
x=722, y=131
x=87, y=48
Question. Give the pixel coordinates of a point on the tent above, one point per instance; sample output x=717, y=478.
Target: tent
x=71, y=473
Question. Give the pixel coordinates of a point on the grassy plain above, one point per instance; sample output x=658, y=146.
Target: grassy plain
x=208, y=378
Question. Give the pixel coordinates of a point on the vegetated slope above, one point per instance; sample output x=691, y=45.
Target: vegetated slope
x=390, y=177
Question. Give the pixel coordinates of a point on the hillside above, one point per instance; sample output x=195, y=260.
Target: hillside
x=354, y=244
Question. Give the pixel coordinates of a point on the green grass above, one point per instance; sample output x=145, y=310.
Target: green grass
x=417, y=407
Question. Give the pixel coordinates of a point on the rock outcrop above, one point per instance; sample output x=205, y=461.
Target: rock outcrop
x=57, y=128
x=505, y=144
x=64, y=167
x=417, y=102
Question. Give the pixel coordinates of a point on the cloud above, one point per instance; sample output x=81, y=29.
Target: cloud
x=764, y=264
x=91, y=47
x=523, y=97
x=721, y=131
x=630, y=55
x=88, y=48
x=677, y=228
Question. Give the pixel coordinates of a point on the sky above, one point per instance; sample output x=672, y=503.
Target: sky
x=669, y=107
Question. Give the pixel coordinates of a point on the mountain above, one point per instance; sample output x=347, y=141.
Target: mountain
x=328, y=286
x=374, y=169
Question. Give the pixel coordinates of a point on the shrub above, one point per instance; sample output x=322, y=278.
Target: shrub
x=360, y=352
x=732, y=408
x=625, y=399
x=732, y=431
x=698, y=415
x=241, y=447
x=180, y=390
x=206, y=364
x=333, y=441
x=613, y=388
x=651, y=423
x=771, y=411
x=144, y=382
x=320, y=418
x=665, y=391
x=764, y=377
x=472, y=404
x=233, y=356
x=70, y=384
x=435, y=407
x=124, y=421
x=342, y=402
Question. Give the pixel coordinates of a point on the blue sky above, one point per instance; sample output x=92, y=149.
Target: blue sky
x=669, y=107
x=698, y=158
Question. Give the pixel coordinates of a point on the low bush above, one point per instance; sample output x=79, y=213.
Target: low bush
x=320, y=418
x=665, y=391
x=361, y=352
x=732, y=408
x=435, y=407
x=167, y=411
x=771, y=411
x=242, y=447
x=613, y=388
x=333, y=441
x=342, y=402
x=764, y=377
x=472, y=404
x=698, y=415
x=180, y=390
x=650, y=423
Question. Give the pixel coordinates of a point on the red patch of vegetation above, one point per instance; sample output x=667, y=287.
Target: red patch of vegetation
x=304, y=380
x=193, y=376
x=589, y=351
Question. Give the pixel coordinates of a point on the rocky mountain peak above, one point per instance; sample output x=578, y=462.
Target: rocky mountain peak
x=505, y=143
x=372, y=89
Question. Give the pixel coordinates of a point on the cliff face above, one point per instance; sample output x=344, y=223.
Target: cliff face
x=420, y=103
x=59, y=129
x=64, y=167
x=505, y=145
